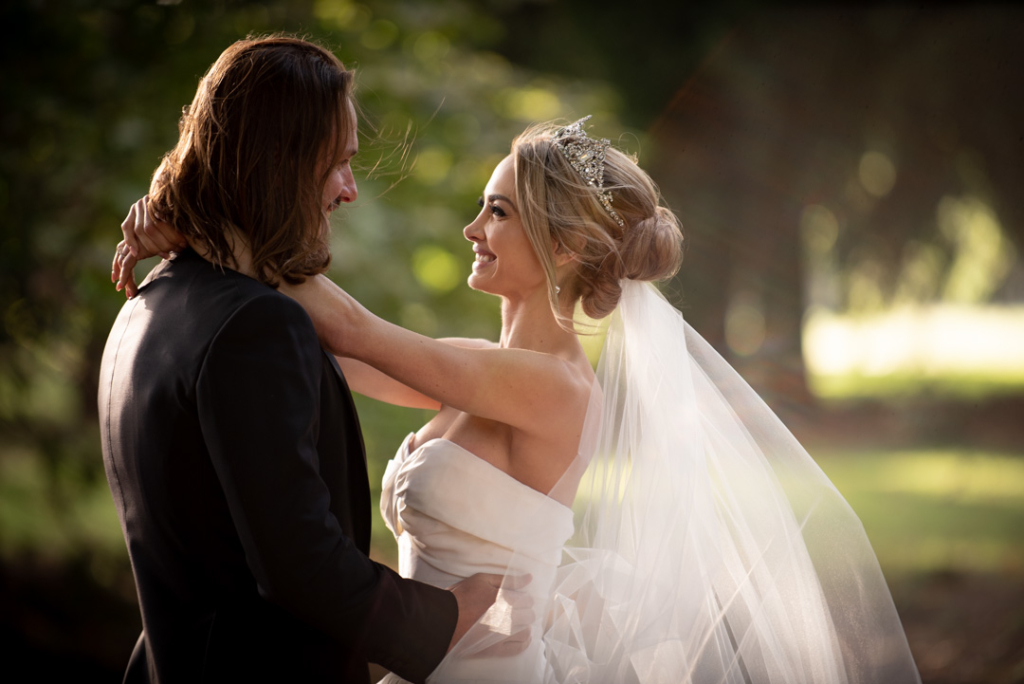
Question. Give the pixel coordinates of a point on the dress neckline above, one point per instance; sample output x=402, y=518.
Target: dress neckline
x=410, y=452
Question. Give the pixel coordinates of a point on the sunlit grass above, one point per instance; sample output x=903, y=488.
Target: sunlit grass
x=936, y=510
x=944, y=350
x=950, y=385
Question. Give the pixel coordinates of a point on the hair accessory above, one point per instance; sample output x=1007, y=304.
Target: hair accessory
x=586, y=155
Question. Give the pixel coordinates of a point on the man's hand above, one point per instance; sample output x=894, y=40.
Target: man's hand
x=508, y=609
x=144, y=236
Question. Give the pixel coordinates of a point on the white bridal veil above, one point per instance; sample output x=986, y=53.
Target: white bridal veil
x=707, y=546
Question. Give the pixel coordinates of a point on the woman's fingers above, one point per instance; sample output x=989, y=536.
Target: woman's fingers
x=150, y=242
x=128, y=227
x=115, y=265
x=157, y=235
x=128, y=277
x=122, y=271
x=162, y=235
x=147, y=236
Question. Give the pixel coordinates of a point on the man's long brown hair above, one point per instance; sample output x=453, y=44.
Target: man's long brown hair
x=269, y=120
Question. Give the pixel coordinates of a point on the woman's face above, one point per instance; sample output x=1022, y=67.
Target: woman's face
x=505, y=261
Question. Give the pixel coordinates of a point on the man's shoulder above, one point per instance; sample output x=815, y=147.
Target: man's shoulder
x=197, y=301
x=206, y=287
x=267, y=309
x=264, y=332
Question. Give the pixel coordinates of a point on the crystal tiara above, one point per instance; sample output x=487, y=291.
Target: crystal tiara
x=586, y=155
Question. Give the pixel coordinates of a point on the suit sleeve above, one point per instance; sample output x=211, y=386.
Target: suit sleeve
x=258, y=399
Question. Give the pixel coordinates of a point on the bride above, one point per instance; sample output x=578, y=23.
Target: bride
x=674, y=529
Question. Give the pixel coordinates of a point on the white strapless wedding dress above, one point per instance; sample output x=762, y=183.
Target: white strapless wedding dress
x=706, y=546
x=455, y=515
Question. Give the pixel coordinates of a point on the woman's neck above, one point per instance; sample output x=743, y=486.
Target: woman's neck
x=529, y=323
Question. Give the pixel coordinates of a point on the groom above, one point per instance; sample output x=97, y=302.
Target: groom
x=230, y=440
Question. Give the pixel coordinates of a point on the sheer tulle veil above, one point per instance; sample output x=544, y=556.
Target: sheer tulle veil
x=707, y=545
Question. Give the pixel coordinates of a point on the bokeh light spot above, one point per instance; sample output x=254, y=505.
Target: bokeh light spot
x=432, y=165
x=531, y=104
x=436, y=268
x=877, y=174
x=819, y=228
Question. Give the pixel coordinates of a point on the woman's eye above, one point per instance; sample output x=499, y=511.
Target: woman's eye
x=495, y=209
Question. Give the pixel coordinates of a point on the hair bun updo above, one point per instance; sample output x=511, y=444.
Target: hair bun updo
x=649, y=250
x=652, y=248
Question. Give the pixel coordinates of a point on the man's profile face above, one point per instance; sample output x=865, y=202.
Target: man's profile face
x=341, y=183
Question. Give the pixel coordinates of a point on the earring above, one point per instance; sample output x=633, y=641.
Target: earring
x=558, y=289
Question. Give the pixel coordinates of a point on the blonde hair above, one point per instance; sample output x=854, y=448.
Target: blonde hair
x=561, y=213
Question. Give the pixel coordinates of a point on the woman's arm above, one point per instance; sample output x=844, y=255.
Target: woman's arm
x=368, y=381
x=525, y=389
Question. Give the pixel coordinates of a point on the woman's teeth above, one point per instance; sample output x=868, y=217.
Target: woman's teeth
x=484, y=258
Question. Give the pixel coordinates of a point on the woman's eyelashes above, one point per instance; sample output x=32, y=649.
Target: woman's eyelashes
x=495, y=209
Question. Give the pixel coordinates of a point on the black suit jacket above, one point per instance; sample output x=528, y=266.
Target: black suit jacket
x=235, y=459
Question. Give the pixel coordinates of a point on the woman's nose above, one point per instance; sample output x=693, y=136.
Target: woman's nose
x=473, y=231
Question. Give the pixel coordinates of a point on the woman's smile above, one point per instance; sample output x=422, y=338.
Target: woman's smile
x=483, y=259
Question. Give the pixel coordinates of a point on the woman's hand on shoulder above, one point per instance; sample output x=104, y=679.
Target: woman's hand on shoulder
x=335, y=313
x=144, y=237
